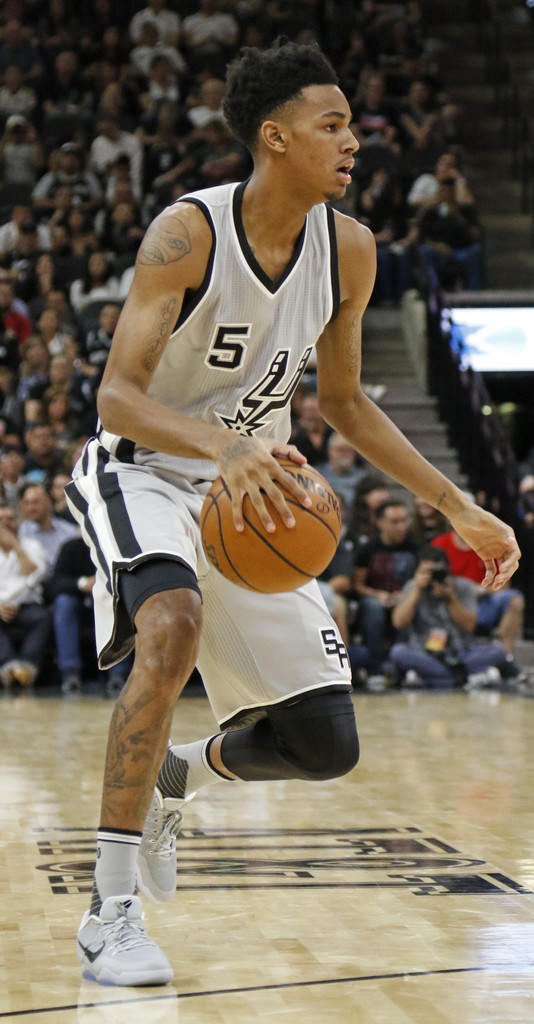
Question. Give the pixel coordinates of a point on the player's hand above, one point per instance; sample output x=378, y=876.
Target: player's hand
x=493, y=541
x=249, y=466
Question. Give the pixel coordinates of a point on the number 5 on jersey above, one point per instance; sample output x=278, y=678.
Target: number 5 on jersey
x=228, y=346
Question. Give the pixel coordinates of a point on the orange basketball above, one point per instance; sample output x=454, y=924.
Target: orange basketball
x=279, y=561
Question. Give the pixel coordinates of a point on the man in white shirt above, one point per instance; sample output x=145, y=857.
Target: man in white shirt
x=209, y=36
x=39, y=524
x=110, y=143
x=24, y=621
x=167, y=22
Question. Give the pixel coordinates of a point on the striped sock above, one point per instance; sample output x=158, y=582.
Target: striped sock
x=187, y=768
x=116, y=862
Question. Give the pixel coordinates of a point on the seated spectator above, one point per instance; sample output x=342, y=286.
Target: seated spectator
x=58, y=413
x=383, y=564
x=33, y=372
x=150, y=46
x=380, y=208
x=21, y=154
x=12, y=473
x=209, y=38
x=162, y=84
x=425, y=188
x=439, y=610
x=24, y=621
x=23, y=262
x=16, y=99
x=39, y=523
x=120, y=188
x=225, y=159
x=60, y=509
x=500, y=610
x=82, y=235
x=9, y=349
x=422, y=139
x=42, y=458
x=375, y=126
x=11, y=408
x=66, y=105
x=57, y=341
x=14, y=322
x=427, y=521
x=10, y=231
x=343, y=469
x=109, y=143
x=16, y=49
x=312, y=432
x=448, y=237
x=94, y=348
x=166, y=21
x=208, y=107
x=123, y=232
x=99, y=282
x=70, y=173
x=370, y=495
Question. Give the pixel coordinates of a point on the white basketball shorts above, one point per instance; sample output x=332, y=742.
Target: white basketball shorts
x=255, y=649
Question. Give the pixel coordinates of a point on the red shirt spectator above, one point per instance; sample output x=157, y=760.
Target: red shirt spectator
x=463, y=560
x=19, y=324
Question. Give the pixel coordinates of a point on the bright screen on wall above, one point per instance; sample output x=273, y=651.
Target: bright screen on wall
x=492, y=339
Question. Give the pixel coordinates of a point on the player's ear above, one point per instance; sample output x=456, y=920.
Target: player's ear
x=273, y=136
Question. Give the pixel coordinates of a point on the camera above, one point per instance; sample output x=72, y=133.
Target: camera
x=439, y=574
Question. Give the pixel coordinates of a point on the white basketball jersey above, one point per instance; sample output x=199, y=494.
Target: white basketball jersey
x=242, y=341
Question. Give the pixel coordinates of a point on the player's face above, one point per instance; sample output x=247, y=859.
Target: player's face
x=320, y=145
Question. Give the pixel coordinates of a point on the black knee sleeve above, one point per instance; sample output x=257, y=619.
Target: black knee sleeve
x=312, y=738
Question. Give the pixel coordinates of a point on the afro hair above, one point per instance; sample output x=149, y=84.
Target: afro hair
x=261, y=81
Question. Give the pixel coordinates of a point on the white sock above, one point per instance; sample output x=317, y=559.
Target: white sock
x=116, y=863
x=187, y=768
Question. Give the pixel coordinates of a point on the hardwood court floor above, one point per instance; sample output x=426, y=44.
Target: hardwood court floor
x=402, y=894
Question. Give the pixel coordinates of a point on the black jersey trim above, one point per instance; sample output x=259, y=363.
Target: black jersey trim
x=125, y=449
x=119, y=520
x=255, y=267
x=334, y=263
x=193, y=296
x=82, y=505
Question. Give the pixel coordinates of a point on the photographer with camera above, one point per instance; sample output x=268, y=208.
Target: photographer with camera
x=439, y=611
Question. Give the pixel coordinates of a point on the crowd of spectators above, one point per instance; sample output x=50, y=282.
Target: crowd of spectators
x=111, y=112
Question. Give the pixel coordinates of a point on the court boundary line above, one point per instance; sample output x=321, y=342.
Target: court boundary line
x=486, y=968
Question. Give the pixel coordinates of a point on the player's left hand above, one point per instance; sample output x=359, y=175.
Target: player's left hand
x=493, y=541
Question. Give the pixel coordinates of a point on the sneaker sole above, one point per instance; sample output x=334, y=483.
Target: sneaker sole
x=105, y=976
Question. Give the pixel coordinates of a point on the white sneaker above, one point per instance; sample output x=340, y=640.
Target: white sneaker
x=114, y=949
x=487, y=679
x=156, y=860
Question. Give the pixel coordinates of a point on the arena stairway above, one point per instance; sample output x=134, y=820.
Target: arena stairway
x=489, y=164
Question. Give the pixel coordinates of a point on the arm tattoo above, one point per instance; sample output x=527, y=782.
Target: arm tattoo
x=442, y=497
x=157, y=344
x=165, y=244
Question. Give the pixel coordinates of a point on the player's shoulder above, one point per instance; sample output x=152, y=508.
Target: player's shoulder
x=356, y=251
x=177, y=242
x=352, y=236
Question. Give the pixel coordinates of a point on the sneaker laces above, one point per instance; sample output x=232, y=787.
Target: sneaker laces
x=124, y=934
x=162, y=839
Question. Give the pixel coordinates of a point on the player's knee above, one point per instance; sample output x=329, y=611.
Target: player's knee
x=325, y=745
x=168, y=630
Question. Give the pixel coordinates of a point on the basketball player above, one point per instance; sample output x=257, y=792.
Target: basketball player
x=233, y=287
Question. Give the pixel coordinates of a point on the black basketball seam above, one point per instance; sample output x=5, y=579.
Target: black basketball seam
x=221, y=535
x=309, y=511
x=264, y=540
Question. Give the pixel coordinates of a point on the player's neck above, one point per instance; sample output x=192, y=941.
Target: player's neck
x=271, y=211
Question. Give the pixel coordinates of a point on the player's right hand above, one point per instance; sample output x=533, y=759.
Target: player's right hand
x=249, y=465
